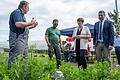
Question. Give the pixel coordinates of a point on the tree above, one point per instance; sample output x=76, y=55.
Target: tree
x=115, y=17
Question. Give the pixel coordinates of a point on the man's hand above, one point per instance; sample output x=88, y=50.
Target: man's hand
x=93, y=46
x=34, y=23
x=33, y=26
x=110, y=47
x=48, y=44
x=60, y=46
x=33, y=20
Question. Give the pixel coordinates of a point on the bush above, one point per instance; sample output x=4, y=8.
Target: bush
x=39, y=67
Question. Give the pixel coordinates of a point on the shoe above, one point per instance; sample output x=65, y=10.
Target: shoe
x=117, y=65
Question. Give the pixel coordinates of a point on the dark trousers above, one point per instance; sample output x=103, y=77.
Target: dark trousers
x=117, y=51
x=57, y=54
x=80, y=57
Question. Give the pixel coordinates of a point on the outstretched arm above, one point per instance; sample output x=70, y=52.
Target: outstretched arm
x=31, y=24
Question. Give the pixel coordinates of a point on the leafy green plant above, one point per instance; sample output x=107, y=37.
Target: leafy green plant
x=40, y=67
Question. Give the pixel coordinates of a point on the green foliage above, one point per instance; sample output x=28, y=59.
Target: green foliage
x=35, y=68
x=40, y=67
x=3, y=66
x=114, y=16
x=98, y=71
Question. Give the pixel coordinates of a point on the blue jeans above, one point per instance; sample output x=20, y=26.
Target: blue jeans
x=117, y=51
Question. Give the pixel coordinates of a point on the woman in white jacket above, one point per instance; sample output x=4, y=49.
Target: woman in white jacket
x=81, y=34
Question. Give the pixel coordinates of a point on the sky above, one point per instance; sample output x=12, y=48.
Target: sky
x=44, y=11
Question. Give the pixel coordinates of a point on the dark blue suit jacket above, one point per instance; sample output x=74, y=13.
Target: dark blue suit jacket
x=108, y=33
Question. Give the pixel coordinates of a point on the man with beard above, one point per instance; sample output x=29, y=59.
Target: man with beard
x=53, y=40
x=18, y=34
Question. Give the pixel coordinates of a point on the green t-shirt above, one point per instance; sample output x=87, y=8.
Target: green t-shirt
x=53, y=36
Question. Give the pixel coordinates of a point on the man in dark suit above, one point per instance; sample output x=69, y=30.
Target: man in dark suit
x=103, y=39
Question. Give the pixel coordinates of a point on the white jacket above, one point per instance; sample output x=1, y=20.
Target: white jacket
x=83, y=41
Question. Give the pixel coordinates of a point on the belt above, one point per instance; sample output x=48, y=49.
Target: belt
x=99, y=41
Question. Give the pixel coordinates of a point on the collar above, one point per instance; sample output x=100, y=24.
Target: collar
x=79, y=27
x=53, y=27
x=21, y=11
x=102, y=21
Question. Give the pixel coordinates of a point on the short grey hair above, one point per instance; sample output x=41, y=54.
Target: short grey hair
x=22, y=3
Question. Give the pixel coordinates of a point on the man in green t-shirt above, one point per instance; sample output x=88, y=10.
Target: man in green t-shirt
x=53, y=40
